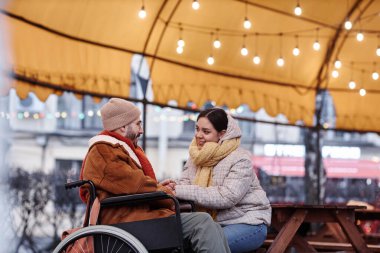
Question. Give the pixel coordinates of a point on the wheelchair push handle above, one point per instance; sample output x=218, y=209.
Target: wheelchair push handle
x=80, y=183
x=74, y=184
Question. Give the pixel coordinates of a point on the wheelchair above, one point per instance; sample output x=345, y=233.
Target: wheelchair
x=154, y=236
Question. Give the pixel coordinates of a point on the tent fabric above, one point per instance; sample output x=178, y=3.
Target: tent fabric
x=44, y=57
x=87, y=46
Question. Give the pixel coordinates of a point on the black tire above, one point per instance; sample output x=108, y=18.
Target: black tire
x=107, y=239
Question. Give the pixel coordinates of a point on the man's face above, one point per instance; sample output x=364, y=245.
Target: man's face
x=134, y=131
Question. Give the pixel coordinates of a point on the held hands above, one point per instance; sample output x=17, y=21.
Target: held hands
x=169, y=183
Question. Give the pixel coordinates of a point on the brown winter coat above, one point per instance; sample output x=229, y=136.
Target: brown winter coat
x=114, y=172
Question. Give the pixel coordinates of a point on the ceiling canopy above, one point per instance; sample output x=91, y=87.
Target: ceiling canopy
x=87, y=47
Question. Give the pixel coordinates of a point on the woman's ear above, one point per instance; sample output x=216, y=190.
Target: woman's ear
x=221, y=134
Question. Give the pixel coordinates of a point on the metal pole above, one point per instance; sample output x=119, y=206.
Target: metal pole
x=144, y=123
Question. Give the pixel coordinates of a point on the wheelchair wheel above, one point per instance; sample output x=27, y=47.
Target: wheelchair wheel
x=99, y=239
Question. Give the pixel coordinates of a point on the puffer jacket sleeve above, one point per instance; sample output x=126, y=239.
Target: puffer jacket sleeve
x=233, y=188
x=185, y=176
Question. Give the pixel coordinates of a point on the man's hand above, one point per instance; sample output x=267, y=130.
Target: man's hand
x=169, y=183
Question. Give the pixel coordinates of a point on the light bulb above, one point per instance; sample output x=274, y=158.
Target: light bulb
x=247, y=24
x=362, y=92
x=195, y=5
x=360, y=36
x=298, y=10
x=335, y=73
x=296, y=51
x=244, y=51
x=179, y=50
x=338, y=64
x=181, y=42
x=352, y=85
x=375, y=75
x=280, y=62
x=142, y=13
x=348, y=25
x=210, y=60
x=256, y=60
x=378, y=51
x=217, y=43
x=316, y=46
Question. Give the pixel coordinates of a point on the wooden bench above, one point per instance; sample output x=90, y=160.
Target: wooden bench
x=287, y=219
x=330, y=246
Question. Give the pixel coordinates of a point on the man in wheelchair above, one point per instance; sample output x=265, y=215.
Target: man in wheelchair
x=117, y=165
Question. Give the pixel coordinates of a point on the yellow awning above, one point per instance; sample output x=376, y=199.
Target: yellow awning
x=86, y=46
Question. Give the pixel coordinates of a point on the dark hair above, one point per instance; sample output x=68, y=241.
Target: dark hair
x=217, y=117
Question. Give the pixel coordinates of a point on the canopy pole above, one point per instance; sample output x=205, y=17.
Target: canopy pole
x=144, y=123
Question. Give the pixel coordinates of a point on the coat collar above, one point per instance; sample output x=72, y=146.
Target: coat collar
x=113, y=141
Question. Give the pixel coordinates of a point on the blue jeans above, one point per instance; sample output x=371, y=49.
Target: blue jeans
x=244, y=237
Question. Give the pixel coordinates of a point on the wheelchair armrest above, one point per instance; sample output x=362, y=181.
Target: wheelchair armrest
x=134, y=199
x=186, y=205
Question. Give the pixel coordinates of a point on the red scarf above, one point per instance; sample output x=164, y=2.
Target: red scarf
x=145, y=164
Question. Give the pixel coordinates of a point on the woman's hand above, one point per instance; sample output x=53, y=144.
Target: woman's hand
x=169, y=183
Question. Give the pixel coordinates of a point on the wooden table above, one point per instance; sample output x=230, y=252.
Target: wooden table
x=286, y=219
x=366, y=214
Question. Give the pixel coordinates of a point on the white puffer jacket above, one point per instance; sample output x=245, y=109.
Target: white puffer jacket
x=235, y=193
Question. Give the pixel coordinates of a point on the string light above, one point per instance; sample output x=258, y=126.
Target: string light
x=347, y=24
x=142, y=12
x=244, y=50
x=210, y=60
x=195, y=5
x=256, y=59
x=217, y=43
x=298, y=9
x=335, y=73
x=360, y=36
x=246, y=24
x=180, y=42
x=316, y=45
x=337, y=63
x=280, y=60
x=90, y=113
x=296, y=50
x=179, y=50
x=362, y=91
x=378, y=45
x=351, y=84
x=375, y=75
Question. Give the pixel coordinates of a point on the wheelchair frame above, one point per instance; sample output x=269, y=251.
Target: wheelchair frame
x=132, y=234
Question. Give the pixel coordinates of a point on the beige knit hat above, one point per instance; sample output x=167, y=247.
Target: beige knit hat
x=117, y=113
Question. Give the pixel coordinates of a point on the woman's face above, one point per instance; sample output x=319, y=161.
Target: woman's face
x=205, y=132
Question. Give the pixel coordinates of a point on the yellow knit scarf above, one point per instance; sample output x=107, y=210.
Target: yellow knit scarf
x=206, y=158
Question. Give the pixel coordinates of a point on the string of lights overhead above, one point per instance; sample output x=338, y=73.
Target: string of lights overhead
x=216, y=42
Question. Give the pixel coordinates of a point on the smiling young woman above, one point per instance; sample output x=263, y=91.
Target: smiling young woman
x=219, y=178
